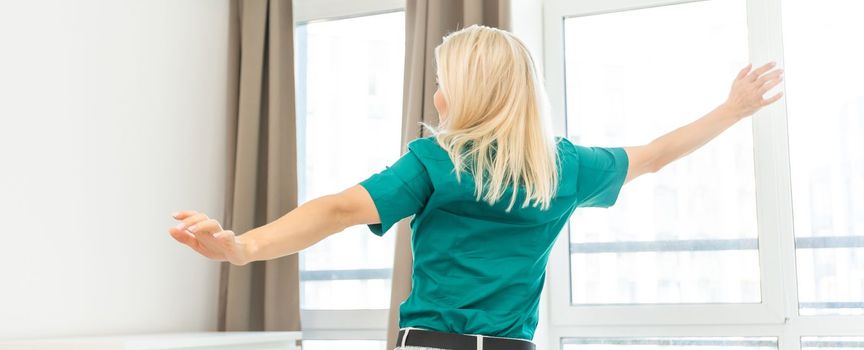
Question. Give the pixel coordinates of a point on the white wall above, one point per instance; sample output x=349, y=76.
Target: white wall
x=112, y=115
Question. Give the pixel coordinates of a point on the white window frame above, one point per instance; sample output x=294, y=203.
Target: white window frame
x=361, y=324
x=777, y=315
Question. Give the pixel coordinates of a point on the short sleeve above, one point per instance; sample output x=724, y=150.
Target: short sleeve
x=602, y=171
x=399, y=191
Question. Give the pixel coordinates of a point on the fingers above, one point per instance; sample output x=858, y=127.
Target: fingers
x=188, y=239
x=208, y=226
x=180, y=215
x=744, y=71
x=196, y=231
x=182, y=236
x=768, y=85
x=773, y=99
x=777, y=73
x=192, y=220
x=759, y=71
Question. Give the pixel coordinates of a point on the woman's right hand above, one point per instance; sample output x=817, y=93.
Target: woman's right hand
x=745, y=97
x=206, y=236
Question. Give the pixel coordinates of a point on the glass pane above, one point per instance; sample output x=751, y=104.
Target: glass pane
x=696, y=343
x=832, y=343
x=336, y=294
x=349, y=86
x=686, y=234
x=344, y=344
x=825, y=103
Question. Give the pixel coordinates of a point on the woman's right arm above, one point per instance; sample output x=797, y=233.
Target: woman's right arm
x=745, y=98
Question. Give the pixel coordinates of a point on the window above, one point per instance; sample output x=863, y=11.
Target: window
x=686, y=234
x=351, y=89
x=754, y=241
x=343, y=344
x=832, y=343
x=827, y=153
x=738, y=343
x=349, y=68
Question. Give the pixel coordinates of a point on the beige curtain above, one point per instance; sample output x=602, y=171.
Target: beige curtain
x=426, y=22
x=262, y=180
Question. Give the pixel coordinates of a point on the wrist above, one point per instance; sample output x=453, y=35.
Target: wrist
x=730, y=111
x=250, y=248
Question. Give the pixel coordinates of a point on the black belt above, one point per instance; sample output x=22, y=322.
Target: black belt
x=455, y=341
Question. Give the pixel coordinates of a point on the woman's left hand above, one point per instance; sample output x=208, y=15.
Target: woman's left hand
x=746, y=95
x=207, y=237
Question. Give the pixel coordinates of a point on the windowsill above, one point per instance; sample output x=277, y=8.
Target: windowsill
x=164, y=341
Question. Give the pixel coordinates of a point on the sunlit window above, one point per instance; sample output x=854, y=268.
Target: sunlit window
x=344, y=344
x=686, y=234
x=826, y=146
x=832, y=343
x=695, y=343
x=349, y=92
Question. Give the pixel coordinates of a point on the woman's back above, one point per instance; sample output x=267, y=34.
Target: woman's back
x=479, y=269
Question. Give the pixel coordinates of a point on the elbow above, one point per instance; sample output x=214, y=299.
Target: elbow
x=655, y=165
x=657, y=157
x=340, y=212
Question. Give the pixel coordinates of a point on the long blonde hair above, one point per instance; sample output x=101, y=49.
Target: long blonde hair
x=498, y=123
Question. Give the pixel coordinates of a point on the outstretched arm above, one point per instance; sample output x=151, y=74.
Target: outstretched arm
x=745, y=98
x=380, y=201
x=293, y=232
x=311, y=222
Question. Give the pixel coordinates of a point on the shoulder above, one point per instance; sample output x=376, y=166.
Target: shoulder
x=580, y=150
x=566, y=146
x=421, y=142
x=427, y=148
x=600, y=158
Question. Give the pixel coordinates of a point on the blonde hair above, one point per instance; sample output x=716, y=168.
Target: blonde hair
x=498, y=124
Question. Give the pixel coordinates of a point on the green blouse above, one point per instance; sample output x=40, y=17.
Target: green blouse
x=478, y=269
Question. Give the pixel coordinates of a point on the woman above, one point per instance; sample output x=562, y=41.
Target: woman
x=480, y=251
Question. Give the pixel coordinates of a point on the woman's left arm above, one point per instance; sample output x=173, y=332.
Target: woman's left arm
x=745, y=98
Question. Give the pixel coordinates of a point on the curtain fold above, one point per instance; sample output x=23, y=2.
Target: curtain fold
x=262, y=174
x=426, y=23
